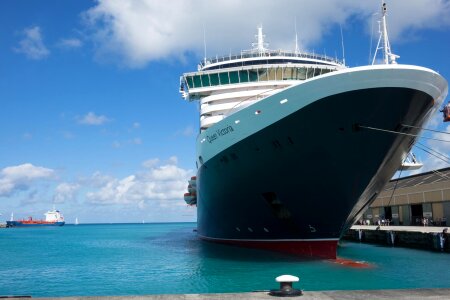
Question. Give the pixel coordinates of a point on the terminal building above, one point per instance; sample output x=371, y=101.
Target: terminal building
x=408, y=200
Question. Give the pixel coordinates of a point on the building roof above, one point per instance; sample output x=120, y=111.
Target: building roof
x=419, y=179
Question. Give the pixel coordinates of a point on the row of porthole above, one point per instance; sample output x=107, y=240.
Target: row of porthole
x=251, y=230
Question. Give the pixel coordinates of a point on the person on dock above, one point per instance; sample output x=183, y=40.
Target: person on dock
x=443, y=238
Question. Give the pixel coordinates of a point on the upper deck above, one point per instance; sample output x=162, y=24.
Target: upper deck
x=252, y=57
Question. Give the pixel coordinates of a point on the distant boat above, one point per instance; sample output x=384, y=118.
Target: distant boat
x=52, y=218
x=76, y=221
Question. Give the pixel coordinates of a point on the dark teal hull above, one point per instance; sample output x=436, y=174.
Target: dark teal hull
x=307, y=177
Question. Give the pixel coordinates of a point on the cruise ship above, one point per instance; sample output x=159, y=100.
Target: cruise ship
x=293, y=146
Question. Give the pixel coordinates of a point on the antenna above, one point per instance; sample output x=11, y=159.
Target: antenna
x=371, y=40
x=388, y=56
x=204, y=45
x=259, y=46
x=342, y=42
x=297, y=50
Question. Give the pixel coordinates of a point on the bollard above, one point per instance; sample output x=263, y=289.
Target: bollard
x=286, y=289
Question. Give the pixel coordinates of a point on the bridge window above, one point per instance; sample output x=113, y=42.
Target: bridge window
x=205, y=80
x=234, y=77
x=197, y=81
x=189, y=82
x=288, y=74
x=224, y=79
x=317, y=72
x=301, y=73
x=272, y=74
x=243, y=75
x=253, y=75
x=214, y=78
x=279, y=75
x=263, y=76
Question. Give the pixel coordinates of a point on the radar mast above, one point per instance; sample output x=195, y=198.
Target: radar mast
x=383, y=40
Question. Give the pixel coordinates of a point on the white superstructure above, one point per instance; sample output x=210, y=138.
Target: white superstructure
x=224, y=85
x=54, y=216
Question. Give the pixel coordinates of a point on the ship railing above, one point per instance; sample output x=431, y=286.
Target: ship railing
x=268, y=53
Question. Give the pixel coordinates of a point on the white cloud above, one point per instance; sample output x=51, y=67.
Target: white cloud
x=158, y=183
x=32, y=44
x=151, y=163
x=21, y=177
x=137, y=32
x=70, y=43
x=173, y=160
x=65, y=192
x=92, y=119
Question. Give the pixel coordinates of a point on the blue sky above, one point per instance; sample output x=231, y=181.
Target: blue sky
x=91, y=119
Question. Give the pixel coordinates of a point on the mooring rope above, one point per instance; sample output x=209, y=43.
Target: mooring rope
x=427, y=129
x=445, y=156
x=402, y=133
x=429, y=152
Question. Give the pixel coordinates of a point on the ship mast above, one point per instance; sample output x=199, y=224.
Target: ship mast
x=388, y=56
x=260, y=45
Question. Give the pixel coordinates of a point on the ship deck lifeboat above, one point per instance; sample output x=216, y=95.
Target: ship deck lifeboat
x=190, y=198
x=410, y=163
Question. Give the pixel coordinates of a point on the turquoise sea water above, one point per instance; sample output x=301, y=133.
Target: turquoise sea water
x=138, y=259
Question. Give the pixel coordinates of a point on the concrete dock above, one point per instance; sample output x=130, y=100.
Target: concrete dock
x=422, y=237
x=410, y=294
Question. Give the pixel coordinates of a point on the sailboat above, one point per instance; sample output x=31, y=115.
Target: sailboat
x=76, y=221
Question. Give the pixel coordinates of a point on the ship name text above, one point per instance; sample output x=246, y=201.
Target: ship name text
x=219, y=133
